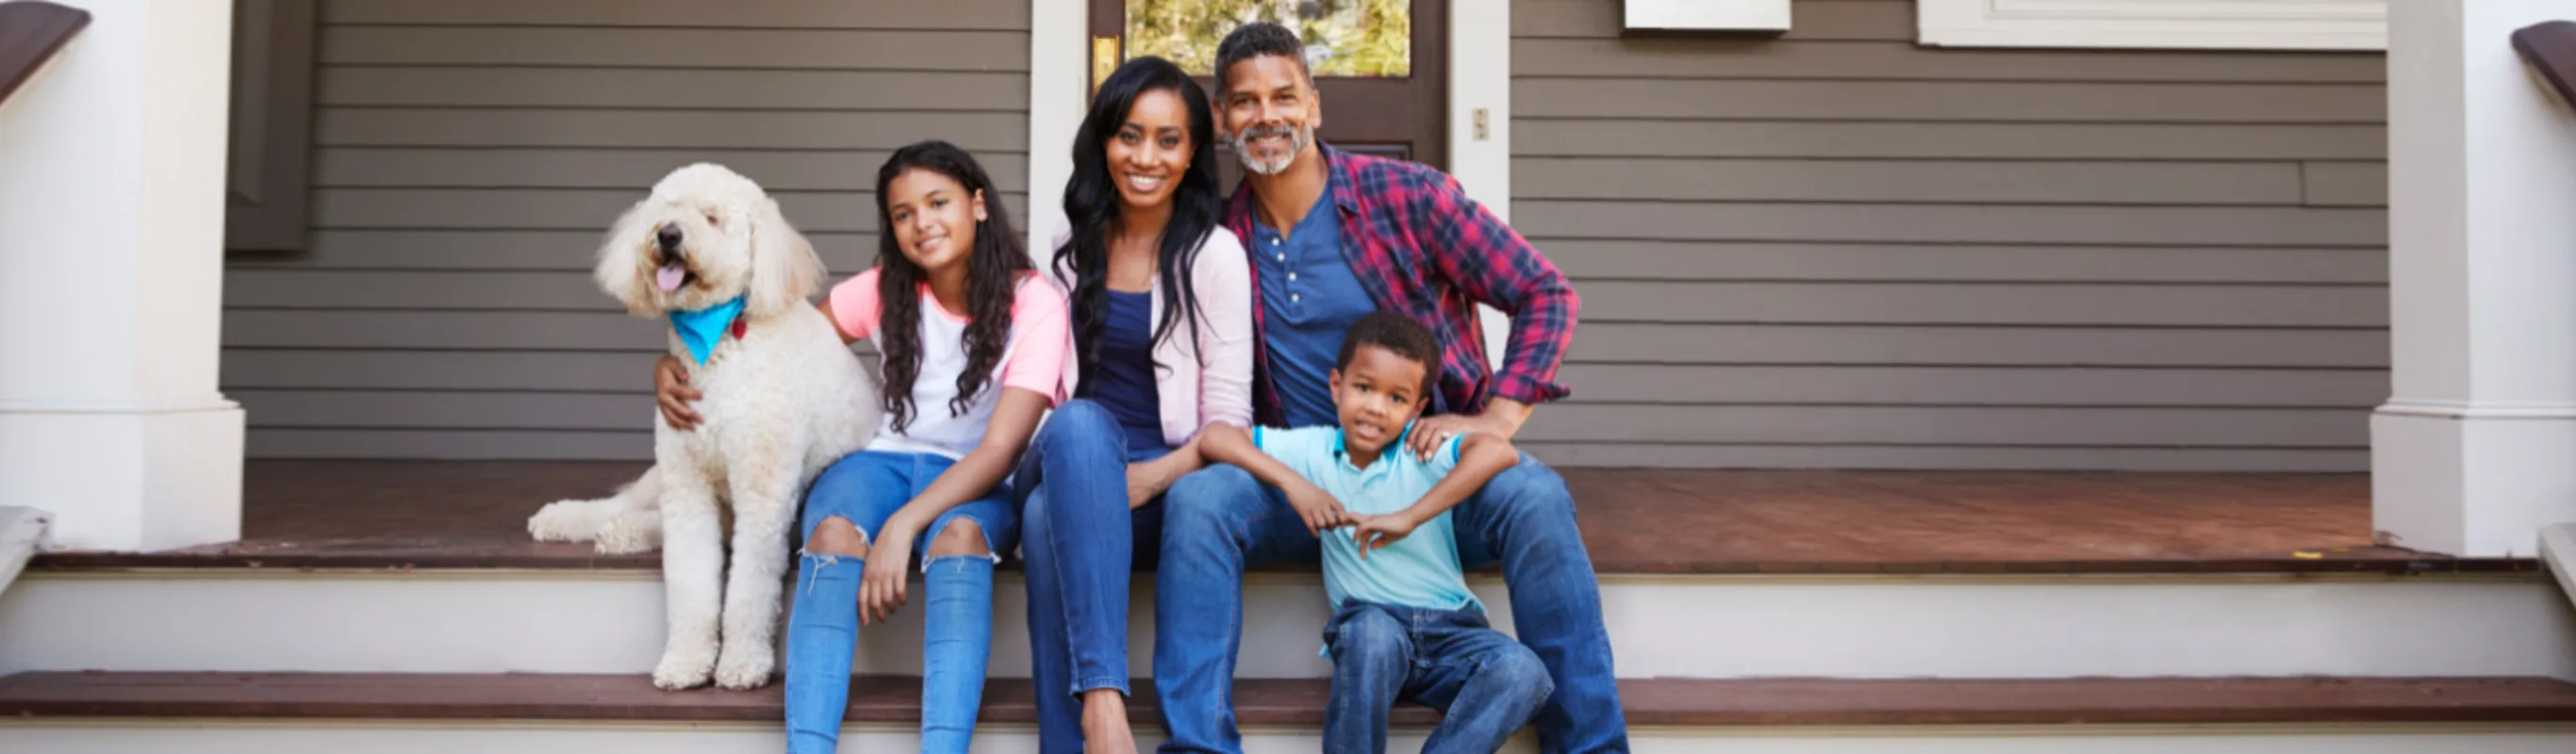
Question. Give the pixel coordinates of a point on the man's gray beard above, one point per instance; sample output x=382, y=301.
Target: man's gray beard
x=1298, y=138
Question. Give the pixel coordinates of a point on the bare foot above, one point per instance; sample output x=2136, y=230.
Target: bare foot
x=1104, y=723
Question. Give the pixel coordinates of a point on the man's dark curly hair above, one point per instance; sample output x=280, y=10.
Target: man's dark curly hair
x=1398, y=334
x=1254, y=40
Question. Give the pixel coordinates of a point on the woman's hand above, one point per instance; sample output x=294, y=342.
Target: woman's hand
x=671, y=389
x=881, y=586
x=1144, y=481
x=1148, y=480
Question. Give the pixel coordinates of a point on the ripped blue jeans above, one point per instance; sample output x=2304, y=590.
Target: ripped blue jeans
x=956, y=601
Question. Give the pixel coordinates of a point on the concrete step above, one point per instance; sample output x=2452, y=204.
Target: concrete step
x=1667, y=626
x=500, y=714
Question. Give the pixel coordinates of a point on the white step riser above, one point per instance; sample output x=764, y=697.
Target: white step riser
x=287, y=737
x=1697, y=627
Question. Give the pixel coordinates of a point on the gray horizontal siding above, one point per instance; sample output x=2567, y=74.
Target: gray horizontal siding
x=1876, y=344
x=577, y=445
x=470, y=153
x=991, y=135
x=343, y=208
x=1839, y=249
x=1590, y=135
x=1745, y=384
x=1577, y=422
x=755, y=14
x=1610, y=300
x=1915, y=262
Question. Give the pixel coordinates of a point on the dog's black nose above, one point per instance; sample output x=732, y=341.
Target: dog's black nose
x=668, y=237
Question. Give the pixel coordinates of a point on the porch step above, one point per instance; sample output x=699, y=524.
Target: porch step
x=1648, y=702
x=78, y=712
x=1703, y=626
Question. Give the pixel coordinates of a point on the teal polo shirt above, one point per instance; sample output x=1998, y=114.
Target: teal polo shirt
x=1420, y=570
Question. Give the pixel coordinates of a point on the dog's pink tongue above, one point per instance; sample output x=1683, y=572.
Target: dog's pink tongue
x=669, y=277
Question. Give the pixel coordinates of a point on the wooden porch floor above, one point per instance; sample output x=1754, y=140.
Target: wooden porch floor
x=348, y=514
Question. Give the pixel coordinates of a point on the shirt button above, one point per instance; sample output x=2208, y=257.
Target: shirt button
x=1274, y=242
x=1282, y=257
x=1292, y=298
x=1292, y=276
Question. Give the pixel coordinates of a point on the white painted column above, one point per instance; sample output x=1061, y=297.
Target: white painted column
x=111, y=282
x=1059, y=95
x=1480, y=81
x=2476, y=449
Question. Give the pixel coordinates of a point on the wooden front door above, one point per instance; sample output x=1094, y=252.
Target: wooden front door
x=1381, y=66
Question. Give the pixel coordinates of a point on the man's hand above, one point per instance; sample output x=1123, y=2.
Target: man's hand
x=1431, y=432
x=1316, y=506
x=671, y=389
x=1373, y=532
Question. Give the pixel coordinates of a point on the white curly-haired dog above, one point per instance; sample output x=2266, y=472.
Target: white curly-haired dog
x=783, y=399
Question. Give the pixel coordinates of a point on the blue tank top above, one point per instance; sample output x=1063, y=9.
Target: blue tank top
x=1123, y=379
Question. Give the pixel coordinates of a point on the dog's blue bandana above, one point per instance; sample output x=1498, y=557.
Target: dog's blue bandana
x=701, y=329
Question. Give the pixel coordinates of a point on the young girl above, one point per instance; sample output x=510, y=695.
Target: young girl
x=974, y=346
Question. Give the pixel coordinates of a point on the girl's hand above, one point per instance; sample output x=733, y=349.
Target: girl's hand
x=1316, y=506
x=671, y=389
x=881, y=586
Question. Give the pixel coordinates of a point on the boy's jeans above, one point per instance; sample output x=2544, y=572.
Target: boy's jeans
x=1219, y=520
x=1486, y=685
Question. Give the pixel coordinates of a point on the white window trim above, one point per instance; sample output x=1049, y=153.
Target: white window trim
x=2155, y=24
x=1701, y=15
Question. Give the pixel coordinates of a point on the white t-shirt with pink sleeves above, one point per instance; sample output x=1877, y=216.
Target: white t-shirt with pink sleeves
x=1033, y=360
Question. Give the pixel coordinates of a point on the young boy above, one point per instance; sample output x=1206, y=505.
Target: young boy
x=1404, y=624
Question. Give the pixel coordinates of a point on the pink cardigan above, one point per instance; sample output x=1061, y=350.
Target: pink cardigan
x=1196, y=389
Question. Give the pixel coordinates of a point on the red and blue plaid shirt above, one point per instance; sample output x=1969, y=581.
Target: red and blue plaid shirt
x=1420, y=246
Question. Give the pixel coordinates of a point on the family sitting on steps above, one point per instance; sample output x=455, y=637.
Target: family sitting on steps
x=1192, y=385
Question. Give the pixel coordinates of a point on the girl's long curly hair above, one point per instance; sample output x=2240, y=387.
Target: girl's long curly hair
x=1092, y=203
x=993, y=271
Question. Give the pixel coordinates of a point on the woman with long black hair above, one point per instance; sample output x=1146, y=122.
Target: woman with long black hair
x=1162, y=320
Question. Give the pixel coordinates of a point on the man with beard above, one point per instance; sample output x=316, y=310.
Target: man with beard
x=1333, y=236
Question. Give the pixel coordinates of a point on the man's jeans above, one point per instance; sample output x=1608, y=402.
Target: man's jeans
x=1219, y=521
x=1485, y=685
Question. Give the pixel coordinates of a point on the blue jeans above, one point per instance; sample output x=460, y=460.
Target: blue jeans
x=1219, y=521
x=1080, y=552
x=1485, y=685
x=866, y=488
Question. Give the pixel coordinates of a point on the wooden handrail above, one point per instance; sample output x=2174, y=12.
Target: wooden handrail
x=30, y=33
x=2550, y=48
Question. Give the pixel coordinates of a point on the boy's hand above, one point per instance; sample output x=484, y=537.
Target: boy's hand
x=1316, y=506
x=1373, y=532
